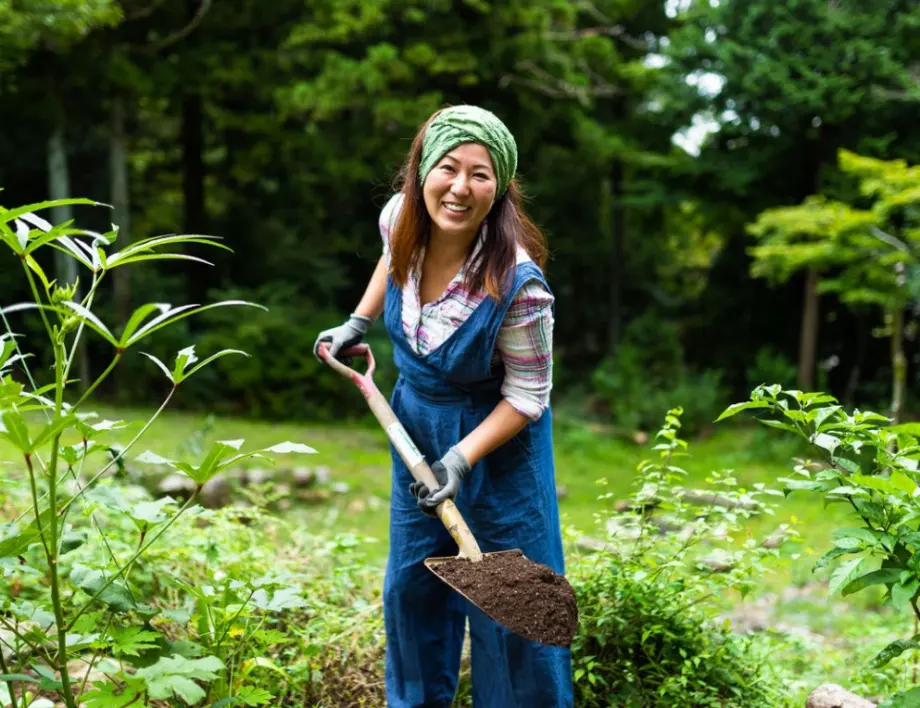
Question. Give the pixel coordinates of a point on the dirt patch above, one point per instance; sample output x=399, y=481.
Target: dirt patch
x=526, y=597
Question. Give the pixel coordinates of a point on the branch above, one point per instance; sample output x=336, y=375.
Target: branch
x=593, y=10
x=554, y=87
x=181, y=34
x=144, y=11
x=617, y=31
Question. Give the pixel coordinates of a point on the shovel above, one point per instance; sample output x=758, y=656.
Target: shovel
x=526, y=597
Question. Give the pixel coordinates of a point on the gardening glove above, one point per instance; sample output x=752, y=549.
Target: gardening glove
x=449, y=471
x=345, y=335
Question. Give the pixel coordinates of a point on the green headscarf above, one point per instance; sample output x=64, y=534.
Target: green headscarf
x=470, y=124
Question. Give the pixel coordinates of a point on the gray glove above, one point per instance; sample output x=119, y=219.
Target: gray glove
x=449, y=471
x=345, y=335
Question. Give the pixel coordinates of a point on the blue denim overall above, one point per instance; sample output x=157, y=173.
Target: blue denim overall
x=509, y=501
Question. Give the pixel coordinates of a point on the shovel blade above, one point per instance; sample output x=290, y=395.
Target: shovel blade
x=525, y=597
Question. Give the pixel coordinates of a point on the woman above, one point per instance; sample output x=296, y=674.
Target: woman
x=470, y=316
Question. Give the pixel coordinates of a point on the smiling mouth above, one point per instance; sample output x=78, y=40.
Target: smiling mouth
x=455, y=208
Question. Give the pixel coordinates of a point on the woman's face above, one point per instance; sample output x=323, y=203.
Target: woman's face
x=460, y=190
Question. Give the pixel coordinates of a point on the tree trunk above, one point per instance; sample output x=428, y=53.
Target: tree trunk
x=849, y=393
x=617, y=234
x=808, y=337
x=898, y=365
x=65, y=266
x=193, y=175
x=118, y=176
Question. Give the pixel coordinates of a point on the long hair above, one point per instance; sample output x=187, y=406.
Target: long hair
x=507, y=226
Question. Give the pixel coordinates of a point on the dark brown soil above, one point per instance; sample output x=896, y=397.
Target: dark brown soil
x=526, y=597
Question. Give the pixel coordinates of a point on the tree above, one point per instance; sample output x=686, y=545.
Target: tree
x=786, y=85
x=869, y=256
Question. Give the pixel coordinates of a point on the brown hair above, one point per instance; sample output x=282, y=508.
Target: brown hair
x=507, y=225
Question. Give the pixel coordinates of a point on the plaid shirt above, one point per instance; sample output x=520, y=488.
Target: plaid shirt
x=525, y=340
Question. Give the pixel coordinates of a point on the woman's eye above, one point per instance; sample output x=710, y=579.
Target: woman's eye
x=447, y=168
x=481, y=175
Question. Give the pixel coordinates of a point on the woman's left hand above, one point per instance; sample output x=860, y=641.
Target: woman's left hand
x=449, y=471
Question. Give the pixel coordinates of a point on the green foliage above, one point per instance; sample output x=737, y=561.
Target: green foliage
x=869, y=466
x=58, y=535
x=647, y=375
x=770, y=366
x=647, y=601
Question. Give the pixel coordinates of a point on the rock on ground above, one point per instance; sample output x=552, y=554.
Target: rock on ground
x=830, y=695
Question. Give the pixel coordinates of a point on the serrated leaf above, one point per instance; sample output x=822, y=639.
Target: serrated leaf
x=108, y=695
x=130, y=641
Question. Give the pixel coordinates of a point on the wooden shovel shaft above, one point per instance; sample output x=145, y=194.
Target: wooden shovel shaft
x=447, y=511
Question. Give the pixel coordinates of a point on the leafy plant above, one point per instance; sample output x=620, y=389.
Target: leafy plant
x=648, y=598
x=91, y=604
x=647, y=375
x=872, y=467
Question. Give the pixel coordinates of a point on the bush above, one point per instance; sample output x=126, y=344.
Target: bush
x=285, y=381
x=771, y=367
x=646, y=376
x=648, y=601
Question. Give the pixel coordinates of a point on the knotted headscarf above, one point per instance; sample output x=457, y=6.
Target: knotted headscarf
x=470, y=124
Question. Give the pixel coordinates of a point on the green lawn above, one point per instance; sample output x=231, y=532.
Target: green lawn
x=358, y=456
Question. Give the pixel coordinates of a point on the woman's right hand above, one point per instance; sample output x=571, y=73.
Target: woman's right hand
x=348, y=334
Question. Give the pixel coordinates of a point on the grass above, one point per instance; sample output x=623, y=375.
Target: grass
x=359, y=457
x=837, y=636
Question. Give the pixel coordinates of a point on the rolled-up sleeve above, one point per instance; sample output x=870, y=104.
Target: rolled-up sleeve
x=525, y=343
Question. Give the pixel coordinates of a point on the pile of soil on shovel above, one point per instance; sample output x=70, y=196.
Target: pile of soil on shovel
x=526, y=597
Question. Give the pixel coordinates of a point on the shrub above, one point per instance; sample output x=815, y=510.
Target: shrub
x=648, y=599
x=646, y=376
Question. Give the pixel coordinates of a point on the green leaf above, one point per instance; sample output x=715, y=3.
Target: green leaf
x=92, y=321
x=252, y=696
x=115, y=595
x=779, y=425
x=176, y=675
x=151, y=512
x=72, y=540
x=284, y=599
x=832, y=554
x=736, y=408
x=843, y=574
x=902, y=594
x=903, y=483
x=15, y=430
x=131, y=641
x=904, y=699
x=882, y=576
x=893, y=650
x=108, y=695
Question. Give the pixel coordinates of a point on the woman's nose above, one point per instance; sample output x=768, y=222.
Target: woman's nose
x=460, y=185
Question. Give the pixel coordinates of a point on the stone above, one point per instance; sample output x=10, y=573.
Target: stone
x=830, y=695
x=355, y=506
x=340, y=488
x=323, y=475
x=302, y=477
x=176, y=485
x=258, y=475
x=561, y=491
x=216, y=492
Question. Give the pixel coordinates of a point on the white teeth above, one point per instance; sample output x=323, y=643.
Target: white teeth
x=455, y=207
